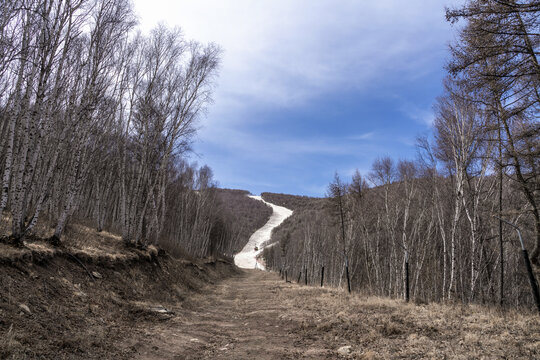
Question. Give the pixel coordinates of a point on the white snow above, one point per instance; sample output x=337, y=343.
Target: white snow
x=247, y=257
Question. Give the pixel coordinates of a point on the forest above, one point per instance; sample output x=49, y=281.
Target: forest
x=442, y=216
x=96, y=122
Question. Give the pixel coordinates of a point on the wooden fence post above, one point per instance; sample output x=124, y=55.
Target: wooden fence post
x=348, y=278
x=407, y=281
x=532, y=279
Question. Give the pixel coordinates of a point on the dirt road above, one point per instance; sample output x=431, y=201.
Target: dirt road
x=229, y=322
x=256, y=315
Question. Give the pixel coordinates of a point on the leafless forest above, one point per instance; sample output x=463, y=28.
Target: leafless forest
x=439, y=214
x=95, y=121
x=114, y=244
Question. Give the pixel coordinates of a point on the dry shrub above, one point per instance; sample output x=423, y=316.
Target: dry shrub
x=83, y=242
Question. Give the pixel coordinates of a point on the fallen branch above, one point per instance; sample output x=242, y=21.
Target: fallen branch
x=83, y=266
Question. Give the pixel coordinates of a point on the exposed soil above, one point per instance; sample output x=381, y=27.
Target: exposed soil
x=256, y=315
x=74, y=303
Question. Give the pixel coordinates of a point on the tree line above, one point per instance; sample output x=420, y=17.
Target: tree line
x=441, y=213
x=95, y=121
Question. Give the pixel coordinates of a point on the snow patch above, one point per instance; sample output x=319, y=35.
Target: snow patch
x=247, y=257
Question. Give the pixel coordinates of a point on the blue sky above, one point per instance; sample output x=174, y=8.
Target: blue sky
x=308, y=88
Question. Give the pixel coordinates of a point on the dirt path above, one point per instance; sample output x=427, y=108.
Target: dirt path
x=258, y=316
x=229, y=322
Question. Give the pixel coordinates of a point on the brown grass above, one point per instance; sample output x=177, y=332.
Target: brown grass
x=387, y=328
x=8, y=344
x=78, y=240
x=259, y=316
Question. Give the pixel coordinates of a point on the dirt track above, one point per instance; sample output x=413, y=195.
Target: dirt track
x=256, y=315
x=240, y=318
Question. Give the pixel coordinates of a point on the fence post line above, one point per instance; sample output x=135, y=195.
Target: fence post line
x=532, y=279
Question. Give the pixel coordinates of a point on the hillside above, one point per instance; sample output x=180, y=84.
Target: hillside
x=388, y=224
x=98, y=300
x=256, y=315
x=83, y=300
x=291, y=229
x=93, y=298
x=294, y=202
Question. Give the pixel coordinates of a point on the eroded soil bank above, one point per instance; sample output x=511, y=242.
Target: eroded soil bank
x=84, y=303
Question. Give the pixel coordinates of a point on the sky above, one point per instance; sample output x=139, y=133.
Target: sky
x=308, y=88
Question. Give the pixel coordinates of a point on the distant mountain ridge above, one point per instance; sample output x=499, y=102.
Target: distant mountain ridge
x=293, y=202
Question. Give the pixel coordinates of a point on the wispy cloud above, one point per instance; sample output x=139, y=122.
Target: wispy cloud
x=272, y=148
x=422, y=116
x=364, y=136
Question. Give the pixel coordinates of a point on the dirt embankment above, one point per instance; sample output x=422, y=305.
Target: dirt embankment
x=83, y=300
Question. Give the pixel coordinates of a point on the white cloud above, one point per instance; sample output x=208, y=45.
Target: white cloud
x=273, y=150
x=286, y=53
x=422, y=116
x=364, y=136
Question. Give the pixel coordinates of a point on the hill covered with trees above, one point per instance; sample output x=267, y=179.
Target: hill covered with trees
x=447, y=220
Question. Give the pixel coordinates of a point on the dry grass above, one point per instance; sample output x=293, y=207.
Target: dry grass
x=82, y=241
x=316, y=321
x=387, y=328
x=87, y=243
x=8, y=343
x=43, y=228
x=260, y=316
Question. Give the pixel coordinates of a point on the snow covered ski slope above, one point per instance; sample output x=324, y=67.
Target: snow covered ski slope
x=247, y=258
